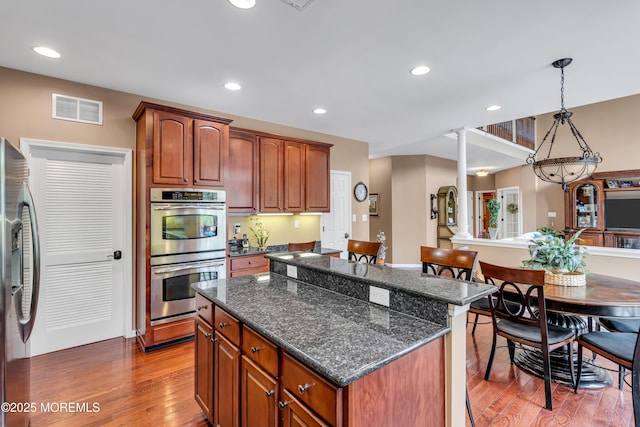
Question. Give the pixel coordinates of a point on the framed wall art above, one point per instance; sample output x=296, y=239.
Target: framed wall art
x=373, y=204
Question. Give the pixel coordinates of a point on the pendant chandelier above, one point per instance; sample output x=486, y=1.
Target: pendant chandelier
x=564, y=170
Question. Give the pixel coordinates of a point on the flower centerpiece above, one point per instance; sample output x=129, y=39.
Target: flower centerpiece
x=382, y=252
x=260, y=234
x=562, y=260
x=493, y=206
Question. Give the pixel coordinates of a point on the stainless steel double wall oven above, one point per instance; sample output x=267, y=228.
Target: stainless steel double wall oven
x=188, y=238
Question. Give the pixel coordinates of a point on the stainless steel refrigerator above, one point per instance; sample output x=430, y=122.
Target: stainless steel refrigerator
x=20, y=284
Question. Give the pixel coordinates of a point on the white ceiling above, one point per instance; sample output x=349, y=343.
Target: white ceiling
x=351, y=57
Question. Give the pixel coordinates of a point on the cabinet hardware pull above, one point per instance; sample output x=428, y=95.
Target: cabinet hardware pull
x=207, y=335
x=214, y=339
x=270, y=393
x=303, y=388
x=222, y=324
x=200, y=307
x=284, y=404
x=255, y=349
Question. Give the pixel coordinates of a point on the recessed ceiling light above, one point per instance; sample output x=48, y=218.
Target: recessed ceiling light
x=319, y=110
x=232, y=86
x=45, y=51
x=243, y=4
x=493, y=107
x=420, y=70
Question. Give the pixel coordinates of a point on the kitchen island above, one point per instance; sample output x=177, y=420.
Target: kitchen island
x=305, y=337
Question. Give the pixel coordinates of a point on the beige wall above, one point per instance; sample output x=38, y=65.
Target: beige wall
x=405, y=183
x=26, y=113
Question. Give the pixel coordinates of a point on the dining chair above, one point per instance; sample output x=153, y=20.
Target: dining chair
x=305, y=246
x=622, y=348
x=363, y=251
x=456, y=263
x=526, y=324
x=613, y=324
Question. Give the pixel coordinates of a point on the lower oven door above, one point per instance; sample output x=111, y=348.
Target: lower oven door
x=172, y=297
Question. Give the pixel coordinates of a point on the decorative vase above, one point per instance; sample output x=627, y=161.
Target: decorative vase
x=493, y=233
x=565, y=279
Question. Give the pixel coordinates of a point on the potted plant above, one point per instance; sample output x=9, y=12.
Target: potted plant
x=494, y=209
x=562, y=260
x=260, y=234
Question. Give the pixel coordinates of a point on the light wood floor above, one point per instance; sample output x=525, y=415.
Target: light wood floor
x=133, y=388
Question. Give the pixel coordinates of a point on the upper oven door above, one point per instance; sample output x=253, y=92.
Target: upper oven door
x=187, y=227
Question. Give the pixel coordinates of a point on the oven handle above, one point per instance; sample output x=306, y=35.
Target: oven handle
x=187, y=266
x=169, y=207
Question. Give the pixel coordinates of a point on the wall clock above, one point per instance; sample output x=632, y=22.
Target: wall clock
x=360, y=191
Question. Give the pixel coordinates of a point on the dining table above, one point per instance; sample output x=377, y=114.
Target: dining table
x=576, y=307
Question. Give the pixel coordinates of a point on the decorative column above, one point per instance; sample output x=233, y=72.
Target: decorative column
x=462, y=185
x=456, y=366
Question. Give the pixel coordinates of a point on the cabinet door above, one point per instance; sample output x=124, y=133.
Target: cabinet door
x=172, y=149
x=585, y=205
x=204, y=367
x=271, y=178
x=294, y=169
x=259, y=396
x=226, y=395
x=242, y=173
x=209, y=152
x=295, y=414
x=317, y=178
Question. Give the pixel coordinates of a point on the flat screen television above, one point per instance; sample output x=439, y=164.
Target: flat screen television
x=622, y=214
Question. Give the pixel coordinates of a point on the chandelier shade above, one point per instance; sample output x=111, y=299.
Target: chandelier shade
x=563, y=170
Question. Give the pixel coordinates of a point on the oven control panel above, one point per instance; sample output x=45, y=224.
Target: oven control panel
x=186, y=195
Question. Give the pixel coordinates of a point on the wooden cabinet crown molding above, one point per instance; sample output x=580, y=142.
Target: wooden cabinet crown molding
x=191, y=114
x=278, y=136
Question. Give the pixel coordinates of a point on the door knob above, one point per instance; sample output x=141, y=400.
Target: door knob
x=116, y=255
x=347, y=235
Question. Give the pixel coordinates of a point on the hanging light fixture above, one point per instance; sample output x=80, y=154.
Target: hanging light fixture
x=564, y=170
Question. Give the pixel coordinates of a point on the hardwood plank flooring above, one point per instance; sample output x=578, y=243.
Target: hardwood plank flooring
x=132, y=387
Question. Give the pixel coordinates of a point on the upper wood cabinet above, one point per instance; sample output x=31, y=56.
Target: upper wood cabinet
x=317, y=178
x=294, y=176
x=183, y=148
x=242, y=179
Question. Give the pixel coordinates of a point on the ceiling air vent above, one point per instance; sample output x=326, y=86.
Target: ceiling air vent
x=76, y=109
x=298, y=4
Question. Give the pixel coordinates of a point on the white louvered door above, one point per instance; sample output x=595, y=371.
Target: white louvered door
x=81, y=219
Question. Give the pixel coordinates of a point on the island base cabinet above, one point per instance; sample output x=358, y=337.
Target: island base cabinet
x=259, y=396
x=204, y=367
x=295, y=414
x=226, y=383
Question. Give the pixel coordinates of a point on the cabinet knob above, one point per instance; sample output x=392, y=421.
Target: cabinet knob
x=222, y=324
x=284, y=404
x=186, y=180
x=269, y=393
x=250, y=262
x=207, y=335
x=305, y=387
x=201, y=307
x=255, y=349
x=214, y=339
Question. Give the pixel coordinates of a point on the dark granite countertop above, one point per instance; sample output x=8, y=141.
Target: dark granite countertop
x=447, y=290
x=339, y=337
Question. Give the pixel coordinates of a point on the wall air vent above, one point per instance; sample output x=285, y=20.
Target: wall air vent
x=298, y=4
x=76, y=109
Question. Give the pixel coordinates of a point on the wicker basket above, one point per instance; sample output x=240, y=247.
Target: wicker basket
x=565, y=279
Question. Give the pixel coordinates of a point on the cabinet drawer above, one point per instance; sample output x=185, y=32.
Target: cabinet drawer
x=258, y=261
x=204, y=308
x=260, y=350
x=248, y=272
x=309, y=387
x=227, y=325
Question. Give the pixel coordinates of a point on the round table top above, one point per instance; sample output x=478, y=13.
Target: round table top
x=603, y=295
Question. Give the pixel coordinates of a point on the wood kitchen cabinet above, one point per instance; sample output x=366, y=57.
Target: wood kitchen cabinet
x=203, y=344
x=241, y=183
x=186, y=149
x=248, y=264
x=226, y=383
x=584, y=208
x=259, y=396
x=317, y=178
x=294, y=177
x=296, y=414
x=271, y=175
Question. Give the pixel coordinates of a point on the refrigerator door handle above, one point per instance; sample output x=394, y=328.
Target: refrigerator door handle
x=26, y=201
